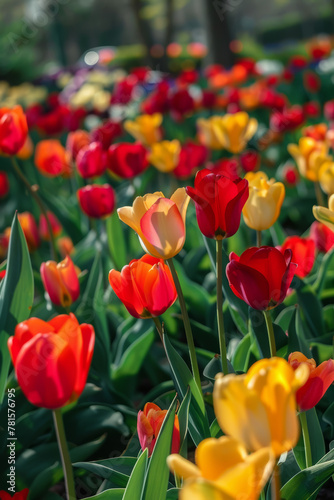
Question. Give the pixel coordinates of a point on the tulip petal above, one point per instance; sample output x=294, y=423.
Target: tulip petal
x=248, y=284
x=24, y=332
x=317, y=384
x=181, y=199
x=215, y=456
x=182, y=467
x=203, y=490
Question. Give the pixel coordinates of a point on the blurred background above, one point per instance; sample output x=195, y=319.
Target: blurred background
x=41, y=36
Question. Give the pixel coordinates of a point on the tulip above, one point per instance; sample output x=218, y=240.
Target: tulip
x=165, y=155
x=250, y=160
x=181, y=104
x=326, y=177
x=259, y=408
x=145, y=287
x=261, y=276
x=326, y=215
x=4, y=243
x=19, y=495
x=91, y=161
x=61, y=281
x=309, y=156
x=319, y=380
x=192, y=156
x=126, y=160
x=227, y=167
x=303, y=253
x=65, y=246
x=52, y=359
x=27, y=149
x=51, y=158
x=43, y=227
x=13, y=130
x=223, y=471
x=75, y=141
x=317, y=132
x=145, y=128
x=219, y=201
x=106, y=133
x=97, y=201
x=4, y=184
x=2, y=274
x=159, y=222
x=322, y=236
x=149, y=423
x=265, y=200
x=30, y=230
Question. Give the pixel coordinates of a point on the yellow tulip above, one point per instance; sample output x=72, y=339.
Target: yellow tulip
x=264, y=203
x=230, y=132
x=259, y=408
x=165, y=155
x=326, y=215
x=309, y=155
x=326, y=177
x=223, y=471
x=145, y=128
x=159, y=222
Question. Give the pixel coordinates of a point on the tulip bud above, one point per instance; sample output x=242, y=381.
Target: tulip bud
x=61, y=281
x=91, y=161
x=52, y=159
x=65, y=246
x=13, y=130
x=322, y=236
x=75, y=141
x=43, y=226
x=30, y=230
x=127, y=160
x=97, y=201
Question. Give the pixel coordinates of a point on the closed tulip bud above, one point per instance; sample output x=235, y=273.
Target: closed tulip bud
x=259, y=408
x=65, y=246
x=75, y=141
x=303, y=253
x=265, y=200
x=261, y=276
x=149, y=423
x=13, y=130
x=323, y=236
x=145, y=287
x=223, y=471
x=52, y=359
x=326, y=215
x=30, y=230
x=309, y=156
x=55, y=226
x=97, y=201
x=319, y=379
x=165, y=155
x=61, y=281
x=52, y=159
x=159, y=222
x=127, y=160
x=219, y=201
x=4, y=184
x=250, y=160
x=27, y=149
x=91, y=161
x=145, y=128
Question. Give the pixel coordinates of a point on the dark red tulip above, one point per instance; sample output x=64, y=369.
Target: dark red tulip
x=312, y=82
x=312, y=109
x=261, y=276
x=91, y=161
x=228, y=167
x=192, y=156
x=219, y=202
x=97, y=201
x=4, y=184
x=106, y=133
x=250, y=160
x=303, y=253
x=181, y=103
x=123, y=90
x=127, y=160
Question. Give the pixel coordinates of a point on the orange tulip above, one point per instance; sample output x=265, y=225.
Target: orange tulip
x=61, y=281
x=52, y=159
x=55, y=226
x=30, y=230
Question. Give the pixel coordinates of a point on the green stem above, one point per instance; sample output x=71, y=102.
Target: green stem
x=64, y=454
x=275, y=484
x=220, y=319
x=306, y=438
x=159, y=328
x=271, y=335
x=258, y=238
x=33, y=191
x=318, y=194
x=187, y=327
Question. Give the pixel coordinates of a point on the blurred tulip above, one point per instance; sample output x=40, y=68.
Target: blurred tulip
x=329, y=110
x=97, y=201
x=127, y=160
x=319, y=380
x=30, y=230
x=223, y=471
x=312, y=109
x=312, y=82
x=27, y=149
x=228, y=167
x=65, y=246
x=181, y=103
x=326, y=177
x=290, y=175
x=149, y=423
x=51, y=158
x=287, y=119
x=250, y=160
x=52, y=359
x=261, y=276
x=13, y=130
x=145, y=128
x=106, y=133
x=159, y=222
x=309, y=156
x=303, y=253
x=91, y=161
x=191, y=157
x=316, y=132
x=259, y=408
x=61, y=281
x=165, y=155
x=265, y=200
x=2, y=274
x=4, y=243
x=4, y=184
x=208, y=132
x=219, y=201
x=322, y=236
x=43, y=227
x=145, y=287
x=75, y=141
x=326, y=215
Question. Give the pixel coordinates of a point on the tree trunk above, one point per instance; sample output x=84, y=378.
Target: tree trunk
x=218, y=30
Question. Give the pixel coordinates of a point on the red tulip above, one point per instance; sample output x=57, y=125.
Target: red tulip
x=30, y=230
x=13, y=130
x=2, y=274
x=228, y=167
x=192, y=156
x=127, y=160
x=320, y=378
x=19, y=495
x=261, y=276
x=52, y=359
x=4, y=243
x=51, y=158
x=97, y=201
x=312, y=82
x=149, y=423
x=290, y=175
x=145, y=287
x=75, y=141
x=123, y=90
x=250, y=160
x=312, y=109
x=303, y=253
x=106, y=133
x=323, y=236
x=55, y=226
x=91, y=161
x=219, y=202
x=181, y=103
x=329, y=110
x=61, y=281
x=4, y=184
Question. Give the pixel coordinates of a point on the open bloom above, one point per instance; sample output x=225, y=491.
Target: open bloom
x=126, y=160
x=159, y=222
x=223, y=471
x=97, y=201
x=261, y=276
x=61, y=281
x=145, y=287
x=326, y=215
x=51, y=158
x=303, y=253
x=52, y=359
x=13, y=130
x=145, y=128
x=319, y=380
x=265, y=200
x=309, y=155
x=165, y=155
x=149, y=423
x=219, y=201
x=259, y=408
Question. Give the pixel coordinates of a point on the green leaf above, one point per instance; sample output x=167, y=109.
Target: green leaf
x=116, y=241
x=215, y=366
x=215, y=429
x=319, y=284
x=173, y=494
x=183, y=416
x=135, y=485
x=311, y=307
x=112, y=494
x=316, y=440
x=156, y=481
x=277, y=234
x=16, y=295
x=107, y=467
x=296, y=339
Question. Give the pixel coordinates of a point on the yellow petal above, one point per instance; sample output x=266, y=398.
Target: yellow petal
x=215, y=456
x=202, y=490
x=325, y=216
x=182, y=467
x=181, y=199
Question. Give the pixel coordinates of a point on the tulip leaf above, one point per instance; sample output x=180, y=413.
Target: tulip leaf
x=134, y=488
x=215, y=366
x=116, y=241
x=277, y=234
x=198, y=420
x=107, y=467
x=112, y=494
x=319, y=284
x=316, y=440
x=173, y=494
x=311, y=307
x=215, y=429
x=16, y=295
x=296, y=339
x=156, y=481
x=183, y=416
